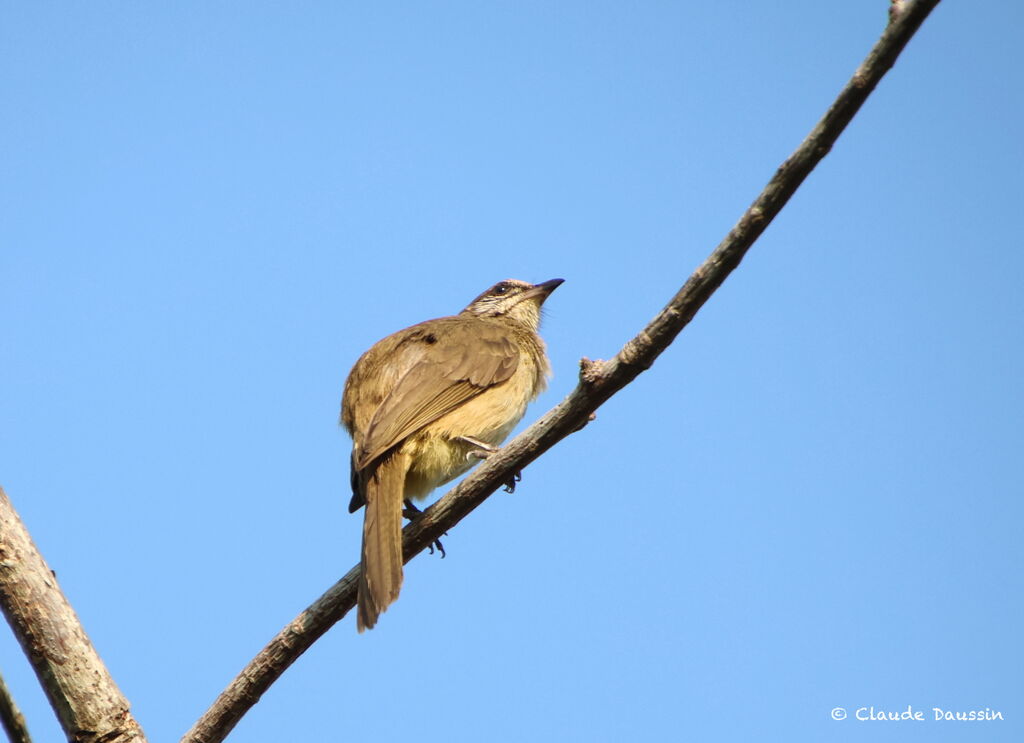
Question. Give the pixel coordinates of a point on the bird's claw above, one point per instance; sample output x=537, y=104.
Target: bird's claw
x=411, y=512
x=510, y=486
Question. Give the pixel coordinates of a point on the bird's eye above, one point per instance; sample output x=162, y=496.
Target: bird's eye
x=501, y=289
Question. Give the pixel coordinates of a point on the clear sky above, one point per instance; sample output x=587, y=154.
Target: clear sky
x=812, y=501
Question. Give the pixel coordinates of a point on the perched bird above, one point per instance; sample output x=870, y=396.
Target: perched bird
x=424, y=404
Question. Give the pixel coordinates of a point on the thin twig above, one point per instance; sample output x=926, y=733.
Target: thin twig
x=90, y=707
x=599, y=380
x=11, y=718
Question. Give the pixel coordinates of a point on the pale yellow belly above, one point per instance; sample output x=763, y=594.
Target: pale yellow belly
x=437, y=453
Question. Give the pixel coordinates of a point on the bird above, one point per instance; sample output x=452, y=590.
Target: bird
x=423, y=405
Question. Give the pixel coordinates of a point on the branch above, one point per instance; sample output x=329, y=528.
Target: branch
x=90, y=707
x=11, y=719
x=599, y=380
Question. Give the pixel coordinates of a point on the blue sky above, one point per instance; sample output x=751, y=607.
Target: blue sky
x=811, y=501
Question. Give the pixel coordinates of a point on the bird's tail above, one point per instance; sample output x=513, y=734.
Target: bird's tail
x=381, y=577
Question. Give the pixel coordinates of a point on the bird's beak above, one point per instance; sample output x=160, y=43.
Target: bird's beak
x=544, y=288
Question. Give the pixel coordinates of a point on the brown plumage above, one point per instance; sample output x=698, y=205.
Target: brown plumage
x=422, y=402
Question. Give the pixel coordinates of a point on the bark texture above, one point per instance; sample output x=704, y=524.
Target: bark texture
x=90, y=707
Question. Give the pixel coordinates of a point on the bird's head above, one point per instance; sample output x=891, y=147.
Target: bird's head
x=512, y=298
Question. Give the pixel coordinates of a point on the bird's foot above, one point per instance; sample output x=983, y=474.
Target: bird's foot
x=485, y=450
x=482, y=450
x=412, y=513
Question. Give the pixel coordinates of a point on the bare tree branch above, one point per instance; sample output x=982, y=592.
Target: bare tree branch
x=599, y=380
x=11, y=718
x=90, y=707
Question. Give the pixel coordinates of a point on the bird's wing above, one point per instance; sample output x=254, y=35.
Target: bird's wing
x=454, y=365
